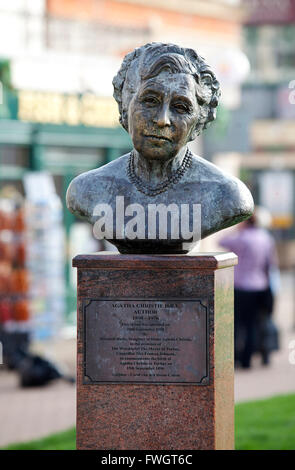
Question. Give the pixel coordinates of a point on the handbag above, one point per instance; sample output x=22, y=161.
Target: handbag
x=268, y=334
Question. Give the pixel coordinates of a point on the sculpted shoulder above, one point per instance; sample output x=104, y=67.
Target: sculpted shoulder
x=228, y=200
x=94, y=186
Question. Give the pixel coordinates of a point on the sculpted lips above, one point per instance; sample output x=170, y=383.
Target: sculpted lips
x=159, y=137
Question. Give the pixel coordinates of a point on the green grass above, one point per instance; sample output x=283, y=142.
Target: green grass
x=61, y=441
x=260, y=425
x=266, y=424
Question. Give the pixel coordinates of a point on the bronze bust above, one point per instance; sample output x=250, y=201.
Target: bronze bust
x=160, y=197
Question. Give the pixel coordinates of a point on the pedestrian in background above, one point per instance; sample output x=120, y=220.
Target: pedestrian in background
x=254, y=297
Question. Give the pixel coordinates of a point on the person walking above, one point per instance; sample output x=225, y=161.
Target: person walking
x=255, y=248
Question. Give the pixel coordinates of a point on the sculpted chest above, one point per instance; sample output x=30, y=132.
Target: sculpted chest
x=181, y=215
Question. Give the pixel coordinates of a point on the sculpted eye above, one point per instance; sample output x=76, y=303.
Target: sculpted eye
x=181, y=107
x=206, y=79
x=151, y=100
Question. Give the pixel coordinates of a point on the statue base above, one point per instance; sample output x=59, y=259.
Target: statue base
x=155, y=366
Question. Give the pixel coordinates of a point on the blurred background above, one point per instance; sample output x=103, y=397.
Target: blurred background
x=58, y=119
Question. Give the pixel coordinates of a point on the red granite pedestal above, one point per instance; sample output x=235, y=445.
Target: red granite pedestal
x=190, y=405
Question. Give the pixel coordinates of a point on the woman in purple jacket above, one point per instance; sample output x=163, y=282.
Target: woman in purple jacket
x=256, y=251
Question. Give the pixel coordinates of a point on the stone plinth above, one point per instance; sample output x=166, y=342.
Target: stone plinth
x=155, y=351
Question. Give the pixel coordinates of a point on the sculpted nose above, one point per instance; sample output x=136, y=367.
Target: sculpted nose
x=163, y=117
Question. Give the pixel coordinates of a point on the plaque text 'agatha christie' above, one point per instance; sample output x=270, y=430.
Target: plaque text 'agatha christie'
x=145, y=341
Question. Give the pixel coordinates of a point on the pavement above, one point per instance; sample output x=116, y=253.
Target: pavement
x=27, y=414
x=279, y=377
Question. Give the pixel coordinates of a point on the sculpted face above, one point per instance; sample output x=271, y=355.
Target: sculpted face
x=163, y=114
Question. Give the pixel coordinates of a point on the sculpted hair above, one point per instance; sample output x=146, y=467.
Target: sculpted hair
x=149, y=61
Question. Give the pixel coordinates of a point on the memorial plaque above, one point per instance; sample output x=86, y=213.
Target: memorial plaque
x=146, y=341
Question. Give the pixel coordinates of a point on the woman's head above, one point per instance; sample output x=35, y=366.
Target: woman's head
x=153, y=59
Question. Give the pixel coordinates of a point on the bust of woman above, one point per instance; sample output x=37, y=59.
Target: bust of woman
x=160, y=197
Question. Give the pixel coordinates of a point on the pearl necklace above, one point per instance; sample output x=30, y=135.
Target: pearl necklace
x=148, y=190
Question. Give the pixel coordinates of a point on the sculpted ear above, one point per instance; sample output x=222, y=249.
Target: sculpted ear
x=124, y=119
x=194, y=133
